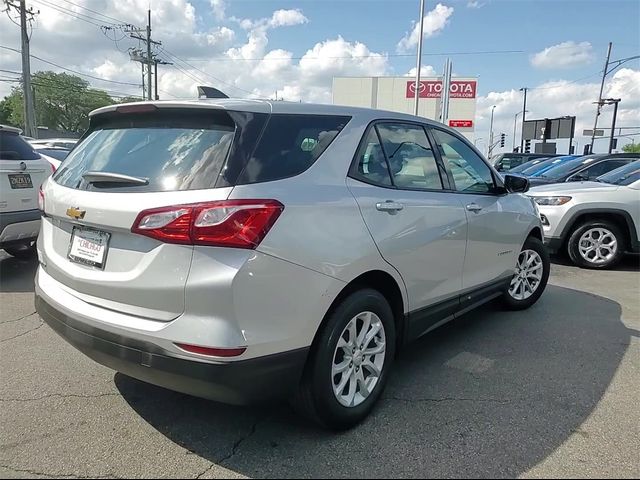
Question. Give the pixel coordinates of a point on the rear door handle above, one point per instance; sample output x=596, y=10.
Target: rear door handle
x=389, y=206
x=474, y=207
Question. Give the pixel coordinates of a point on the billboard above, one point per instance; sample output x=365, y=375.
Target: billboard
x=433, y=89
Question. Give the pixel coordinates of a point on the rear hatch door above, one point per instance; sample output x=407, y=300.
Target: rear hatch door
x=127, y=163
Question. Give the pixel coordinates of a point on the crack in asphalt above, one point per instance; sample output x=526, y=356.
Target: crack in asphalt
x=18, y=319
x=447, y=399
x=59, y=395
x=49, y=475
x=23, y=333
x=234, y=450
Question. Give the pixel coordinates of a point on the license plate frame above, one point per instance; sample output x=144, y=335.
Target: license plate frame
x=82, y=254
x=20, y=185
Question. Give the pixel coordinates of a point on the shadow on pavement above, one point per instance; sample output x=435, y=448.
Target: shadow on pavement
x=490, y=395
x=629, y=263
x=17, y=275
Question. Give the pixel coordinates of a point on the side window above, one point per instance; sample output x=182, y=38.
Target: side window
x=470, y=173
x=601, y=168
x=410, y=156
x=289, y=145
x=372, y=165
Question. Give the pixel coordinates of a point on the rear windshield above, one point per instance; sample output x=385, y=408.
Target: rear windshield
x=14, y=147
x=174, y=151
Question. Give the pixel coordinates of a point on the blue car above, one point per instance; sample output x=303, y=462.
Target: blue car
x=545, y=165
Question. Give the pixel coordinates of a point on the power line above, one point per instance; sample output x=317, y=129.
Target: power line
x=371, y=55
x=71, y=13
x=175, y=57
x=97, y=13
x=73, y=71
x=48, y=83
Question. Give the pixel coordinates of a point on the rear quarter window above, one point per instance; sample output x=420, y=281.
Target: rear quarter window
x=14, y=147
x=289, y=145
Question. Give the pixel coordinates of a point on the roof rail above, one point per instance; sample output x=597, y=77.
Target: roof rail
x=210, y=92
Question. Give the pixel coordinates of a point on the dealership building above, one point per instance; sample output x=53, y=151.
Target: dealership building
x=397, y=94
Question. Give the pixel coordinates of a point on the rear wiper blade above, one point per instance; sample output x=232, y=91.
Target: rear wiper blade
x=108, y=177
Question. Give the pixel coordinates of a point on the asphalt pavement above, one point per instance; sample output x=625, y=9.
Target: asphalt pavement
x=550, y=392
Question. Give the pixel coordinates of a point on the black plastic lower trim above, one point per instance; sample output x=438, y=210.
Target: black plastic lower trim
x=424, y=320
x=9, y=218
x=554, y=245
x=239, y=383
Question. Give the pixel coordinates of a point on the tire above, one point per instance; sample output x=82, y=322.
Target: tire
x=518, y=295
x=316, y=398
x=23, y=252
x=603, y=257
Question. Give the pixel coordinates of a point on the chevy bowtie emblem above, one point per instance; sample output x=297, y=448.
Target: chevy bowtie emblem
x=76, y=213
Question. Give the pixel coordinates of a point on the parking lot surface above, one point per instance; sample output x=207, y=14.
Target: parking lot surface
x=552, y=391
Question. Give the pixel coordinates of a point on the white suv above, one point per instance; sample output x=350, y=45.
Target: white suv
x=22, y=171
x=245, y=250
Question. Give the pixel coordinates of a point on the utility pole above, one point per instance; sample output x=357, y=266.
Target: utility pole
x=604, y=75
x=149, y=60
x=146, y=58
x=491, y=134
x=524, y=115
x=155, y=74
x=26, y=16
x=419, y=60
x=615, y=102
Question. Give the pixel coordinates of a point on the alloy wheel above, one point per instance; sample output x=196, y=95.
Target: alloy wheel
x=528, y=276
x=598, y=245
x=358, y=359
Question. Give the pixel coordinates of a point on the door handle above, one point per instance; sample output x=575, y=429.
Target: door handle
x=389, y=206
x=474, y=207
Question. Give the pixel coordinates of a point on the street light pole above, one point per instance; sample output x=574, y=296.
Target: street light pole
x=419, y=60
x=524, y=114
x=515, y=124
x=604, y=76
x=490, y=149
x=615, y=102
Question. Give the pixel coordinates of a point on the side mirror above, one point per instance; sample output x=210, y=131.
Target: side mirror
x=516, y=184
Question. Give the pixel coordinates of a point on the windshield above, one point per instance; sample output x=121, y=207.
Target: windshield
x=528, y=164
x=539, y=166
x=568, y=167
x=622, y=176
x=174, y=152
x=553, y=163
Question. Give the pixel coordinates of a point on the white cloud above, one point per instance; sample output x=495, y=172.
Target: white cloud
x=564, y=55
x=559, y=98
x=474, y=4
x=287, y=18
x=425, y=71
x=218, y=7
x=434, y=22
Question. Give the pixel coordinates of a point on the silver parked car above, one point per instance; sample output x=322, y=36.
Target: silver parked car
x=247, y=250
x=596, y=222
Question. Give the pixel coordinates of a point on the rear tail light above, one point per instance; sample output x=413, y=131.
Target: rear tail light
x=212, y=352
x=226, y=223
x=41, y=199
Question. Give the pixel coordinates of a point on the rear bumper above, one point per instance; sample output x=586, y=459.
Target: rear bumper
x=19, y=227
x=240, y=383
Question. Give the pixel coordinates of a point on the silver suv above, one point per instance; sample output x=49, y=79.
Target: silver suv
x=247, y=250
x=594, y=222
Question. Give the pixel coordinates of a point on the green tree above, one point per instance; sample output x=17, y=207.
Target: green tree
x=5, y=112
x=631, y=148
x=62, y=101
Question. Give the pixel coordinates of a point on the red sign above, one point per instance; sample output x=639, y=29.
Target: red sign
x=461, y=123
x=433, y=89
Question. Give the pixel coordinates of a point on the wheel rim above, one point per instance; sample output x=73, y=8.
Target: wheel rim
x=598, y=245
x=358, y=359
x=528, y=276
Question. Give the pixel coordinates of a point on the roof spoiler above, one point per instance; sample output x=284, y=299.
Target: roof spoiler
x=210, y=92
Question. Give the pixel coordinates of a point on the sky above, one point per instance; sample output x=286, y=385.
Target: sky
x=255, y=48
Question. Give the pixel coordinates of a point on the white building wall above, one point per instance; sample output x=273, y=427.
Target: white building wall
x=390, y=93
